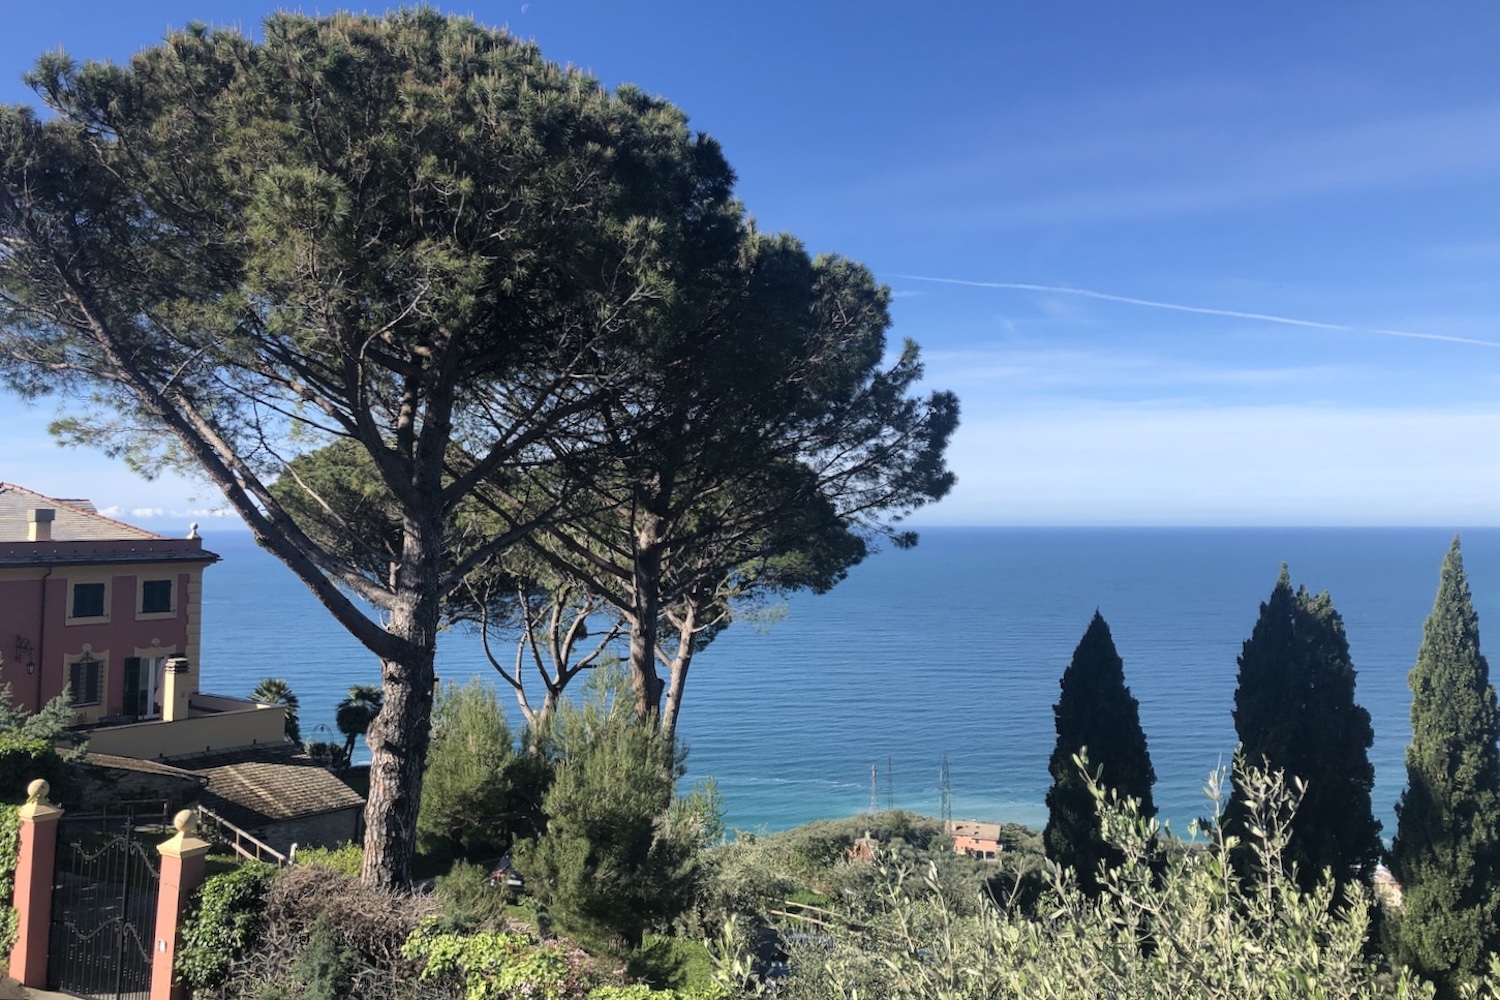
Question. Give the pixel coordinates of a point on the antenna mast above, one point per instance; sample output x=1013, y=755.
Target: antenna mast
x=874, y=795
x=946, y=786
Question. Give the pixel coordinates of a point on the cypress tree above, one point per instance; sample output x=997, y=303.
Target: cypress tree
x=1294, y=711
x=1446, y=852
x=1095, y=710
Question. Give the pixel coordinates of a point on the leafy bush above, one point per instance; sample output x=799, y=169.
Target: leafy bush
x=512, y=966
x=10, y=855
x=23, y=759
x=225, y=922
x=497, y=965
x=470, y=902
x=346, y=860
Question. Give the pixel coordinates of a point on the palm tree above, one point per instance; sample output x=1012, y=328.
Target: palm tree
x=275, y=691
x=355, y=713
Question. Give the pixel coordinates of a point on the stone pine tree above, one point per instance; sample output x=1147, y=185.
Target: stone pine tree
x=1097, y=712
x=1294, y=711
x=1446, y=852
x=416, y=237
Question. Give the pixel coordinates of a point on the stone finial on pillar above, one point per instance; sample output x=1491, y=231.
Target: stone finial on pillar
x=35, y=862
x=182, y=871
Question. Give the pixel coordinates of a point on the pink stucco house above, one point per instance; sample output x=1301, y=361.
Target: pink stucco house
x=113, y=613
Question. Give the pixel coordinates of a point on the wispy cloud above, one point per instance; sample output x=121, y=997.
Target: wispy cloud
x=1051, y=369
x=151, y=513
x=1088, y=293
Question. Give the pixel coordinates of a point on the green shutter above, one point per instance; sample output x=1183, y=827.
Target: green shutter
x=135, y=692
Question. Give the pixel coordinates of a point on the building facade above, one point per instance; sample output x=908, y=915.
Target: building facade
x=96, y=606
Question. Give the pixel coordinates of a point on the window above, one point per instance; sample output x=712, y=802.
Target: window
x=83, y=679
x=143, y=686
x=88, y=600
x=156, y=597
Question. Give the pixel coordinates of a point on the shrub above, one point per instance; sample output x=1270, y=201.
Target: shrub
x=306, y=932
x=470, y=902
x=497, y=965
x=479, y=795
x=618, y=856
x=224, y=924
x=10, y=852
x=326, y=969
x=346, y=860
x=1189, y=928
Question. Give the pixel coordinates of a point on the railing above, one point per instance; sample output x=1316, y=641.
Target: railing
x=808, y=914
x=258, y=850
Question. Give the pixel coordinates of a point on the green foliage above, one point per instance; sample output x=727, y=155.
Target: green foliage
x=275, y=691
x=1190, y=929
x=24, y=759
x=10, y=854
x=346, y=860
x=225, y=922
x=1294, y=711
x=1096, y=717
x=514, y=966
x=470, y=902
x=741, y=878
x=479, y=795
x=35, y=746
x=671, y=963
x=617, y=857
x=504, y=286
x=1446, y=852
x=325, y=968
x=497, y=965
x=50, y=724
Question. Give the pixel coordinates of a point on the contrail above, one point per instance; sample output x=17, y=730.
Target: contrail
x=1200, y=310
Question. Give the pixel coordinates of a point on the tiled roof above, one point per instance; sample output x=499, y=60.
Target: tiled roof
x=973, y=828
x=261, y=785
x=137, y=764
x=75, y=520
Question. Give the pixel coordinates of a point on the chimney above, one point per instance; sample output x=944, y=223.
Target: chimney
x=39, y=524
x=178, y=687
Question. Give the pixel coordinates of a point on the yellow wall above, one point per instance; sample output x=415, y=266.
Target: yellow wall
x=222, y=731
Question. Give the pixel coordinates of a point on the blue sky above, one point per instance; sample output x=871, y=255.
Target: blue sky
x=1040, y=185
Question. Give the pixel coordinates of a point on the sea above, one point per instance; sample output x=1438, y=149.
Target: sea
x=949, y=653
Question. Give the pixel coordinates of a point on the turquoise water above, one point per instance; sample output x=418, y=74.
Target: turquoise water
x=953, y=648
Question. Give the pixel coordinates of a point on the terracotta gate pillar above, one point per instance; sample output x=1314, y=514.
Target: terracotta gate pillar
x=182, y=866
x=35, y=863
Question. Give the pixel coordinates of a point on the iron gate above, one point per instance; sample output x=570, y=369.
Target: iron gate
x=103, y=911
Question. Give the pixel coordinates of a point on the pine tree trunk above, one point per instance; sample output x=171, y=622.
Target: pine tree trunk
x=646, y=600
x=400, y=734
x=686, y=627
